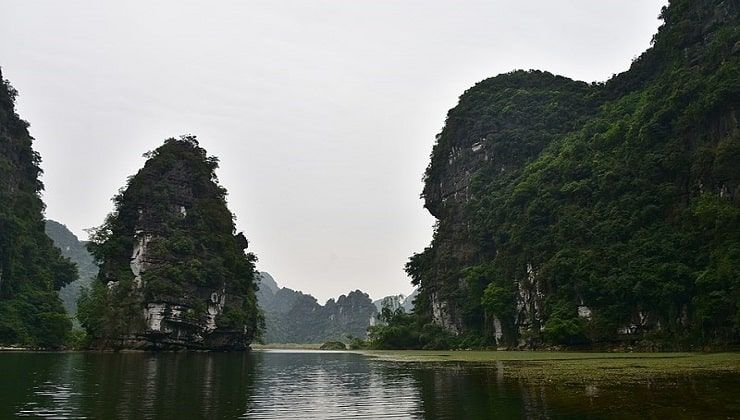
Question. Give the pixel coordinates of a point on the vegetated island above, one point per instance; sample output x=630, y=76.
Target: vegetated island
x=173, y=271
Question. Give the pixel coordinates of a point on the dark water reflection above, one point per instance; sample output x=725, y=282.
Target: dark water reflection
x=304, y=385
x=462, y=391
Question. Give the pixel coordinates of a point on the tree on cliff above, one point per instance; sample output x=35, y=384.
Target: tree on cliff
x=173, y=272
x=31, y=268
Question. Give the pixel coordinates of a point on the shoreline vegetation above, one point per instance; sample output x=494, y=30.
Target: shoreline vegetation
x=286, y=346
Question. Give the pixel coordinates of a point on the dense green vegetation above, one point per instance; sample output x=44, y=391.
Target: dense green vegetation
x=171, y=243
x=586, y=215
x=397, y=330
x=31, y=268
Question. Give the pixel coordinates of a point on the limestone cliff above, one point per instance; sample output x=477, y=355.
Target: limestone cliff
x=173, y=272
x=500, y=125
x=579, y=214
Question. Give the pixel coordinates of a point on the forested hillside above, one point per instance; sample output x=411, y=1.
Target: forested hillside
x=31, y=268
x=593, y=214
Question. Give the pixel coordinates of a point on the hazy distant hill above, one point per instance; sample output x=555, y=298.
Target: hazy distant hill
x=75, y=250
x=294, y=317
x=397, y=301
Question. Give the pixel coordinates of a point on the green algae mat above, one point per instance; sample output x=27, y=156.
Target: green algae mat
x=577, y=367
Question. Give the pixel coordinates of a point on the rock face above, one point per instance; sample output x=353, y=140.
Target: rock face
x=493, y=133
x=294, y=317
x=173, y=273
x=31, y=268
x=573, y=213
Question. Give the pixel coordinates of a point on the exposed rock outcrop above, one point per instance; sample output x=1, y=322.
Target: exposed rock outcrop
x=171, y=264
x=493, y=133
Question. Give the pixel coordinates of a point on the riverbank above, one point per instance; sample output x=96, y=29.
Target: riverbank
x=572, y=367
x=280, y=346
x=11, y=348
x=285, y=346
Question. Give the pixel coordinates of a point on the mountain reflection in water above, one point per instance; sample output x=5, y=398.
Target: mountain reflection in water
x=312, y=384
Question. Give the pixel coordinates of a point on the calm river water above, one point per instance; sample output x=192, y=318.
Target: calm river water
x=306, y=385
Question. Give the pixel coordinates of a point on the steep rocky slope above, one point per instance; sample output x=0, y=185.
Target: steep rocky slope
x=173, y=272
x=594, y=214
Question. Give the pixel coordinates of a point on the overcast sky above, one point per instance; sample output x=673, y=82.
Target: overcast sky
x=323, y=113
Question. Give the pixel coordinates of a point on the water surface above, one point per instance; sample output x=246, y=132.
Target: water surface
x=313, y=384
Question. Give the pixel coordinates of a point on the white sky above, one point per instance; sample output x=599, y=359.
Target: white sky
x=323, y=113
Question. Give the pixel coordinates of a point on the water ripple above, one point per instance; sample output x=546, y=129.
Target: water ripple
x=313, y=386
x=53, y=401
x=323, y=385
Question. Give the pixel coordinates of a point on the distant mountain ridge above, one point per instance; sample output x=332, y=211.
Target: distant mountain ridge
x=294, y=317
x=74, y=249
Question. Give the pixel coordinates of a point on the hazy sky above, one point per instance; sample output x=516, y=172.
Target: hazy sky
x=323, y=113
